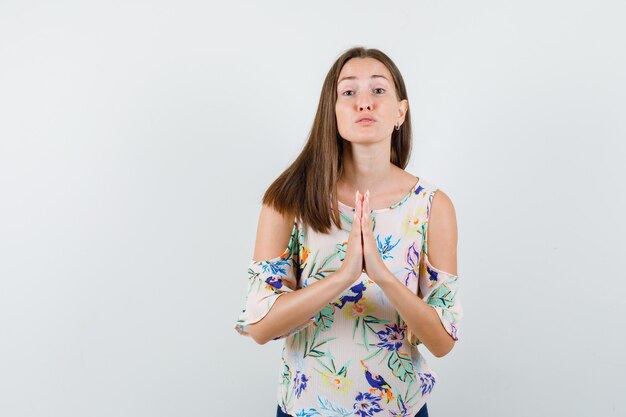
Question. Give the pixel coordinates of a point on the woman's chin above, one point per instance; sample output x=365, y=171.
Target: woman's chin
x=364, y=138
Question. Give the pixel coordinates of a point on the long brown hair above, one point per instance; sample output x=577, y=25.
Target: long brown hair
x=304, y=188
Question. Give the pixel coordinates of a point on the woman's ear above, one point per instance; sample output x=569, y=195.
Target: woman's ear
x=403, y=107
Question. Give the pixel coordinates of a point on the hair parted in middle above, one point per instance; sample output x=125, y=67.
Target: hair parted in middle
x=308, y=187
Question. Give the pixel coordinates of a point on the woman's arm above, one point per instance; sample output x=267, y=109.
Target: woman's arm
x=296, y=308
x=419, y=316
x=291, y=309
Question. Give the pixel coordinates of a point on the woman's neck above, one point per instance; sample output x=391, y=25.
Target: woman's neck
x=366, y=167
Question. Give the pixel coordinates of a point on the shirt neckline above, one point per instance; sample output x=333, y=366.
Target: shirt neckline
x=394, y=205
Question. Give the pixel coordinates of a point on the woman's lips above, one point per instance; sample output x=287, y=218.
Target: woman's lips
x=366, y=122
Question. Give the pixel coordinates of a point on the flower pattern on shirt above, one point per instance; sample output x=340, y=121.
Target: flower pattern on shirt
x=366, y=404
x=356, y=356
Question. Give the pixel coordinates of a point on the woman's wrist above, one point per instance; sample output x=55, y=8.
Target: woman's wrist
x=385, y=279
x=346, y=277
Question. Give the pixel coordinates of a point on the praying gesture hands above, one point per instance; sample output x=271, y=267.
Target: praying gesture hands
x=362, y=253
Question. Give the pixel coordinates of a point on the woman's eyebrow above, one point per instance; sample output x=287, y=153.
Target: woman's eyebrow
x=352, y=77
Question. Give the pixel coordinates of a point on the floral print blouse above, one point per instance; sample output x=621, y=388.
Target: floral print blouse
x=356, y=357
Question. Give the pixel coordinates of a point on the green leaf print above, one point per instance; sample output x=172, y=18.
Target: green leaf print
x=344, y=369
x=299, y=336
x=441, y=297
x=356, y=326
x=332, y=409
x=286, y=379
x=373, y=355
x=320, y=271
x=254, y=279
x=401, y=366
x=372, y=319
x=331, y=368
x=406, y=393
x=341, y=250
x=312, y=348
x=387, y=353
x=365, y=323
x=365, y=341
x=412, y=400
x=286, y=376
x=330, y=371
x=399, y=321
x=325, y=318
x=345, y=218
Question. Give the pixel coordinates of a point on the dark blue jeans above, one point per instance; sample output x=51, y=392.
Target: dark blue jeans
x=423, y=412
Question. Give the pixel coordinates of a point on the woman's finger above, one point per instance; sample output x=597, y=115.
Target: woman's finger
x=366, y=210
x=357, y=213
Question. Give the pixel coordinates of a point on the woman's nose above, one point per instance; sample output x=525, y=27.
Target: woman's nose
x=364, y=102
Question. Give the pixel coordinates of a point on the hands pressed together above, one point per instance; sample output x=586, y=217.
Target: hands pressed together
x=362, y=253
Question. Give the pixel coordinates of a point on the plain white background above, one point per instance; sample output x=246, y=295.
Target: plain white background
x=136, y=141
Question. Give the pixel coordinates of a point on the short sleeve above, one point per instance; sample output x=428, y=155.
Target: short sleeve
x=440, y=289
x=268, y=280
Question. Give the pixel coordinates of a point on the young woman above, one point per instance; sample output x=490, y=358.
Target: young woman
x=344, y=262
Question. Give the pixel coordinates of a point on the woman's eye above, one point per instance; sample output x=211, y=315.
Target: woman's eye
x=350, y=91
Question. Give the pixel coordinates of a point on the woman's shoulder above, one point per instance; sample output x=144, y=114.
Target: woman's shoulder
x=421, y=188
x=436, y=198
x=440, y=211
x=407, y=180
x=274, y=230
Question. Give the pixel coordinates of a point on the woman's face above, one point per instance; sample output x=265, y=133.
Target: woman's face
x=365, y=89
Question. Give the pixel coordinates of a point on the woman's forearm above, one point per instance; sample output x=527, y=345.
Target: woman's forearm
x=418, y=315
x=294, y=309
